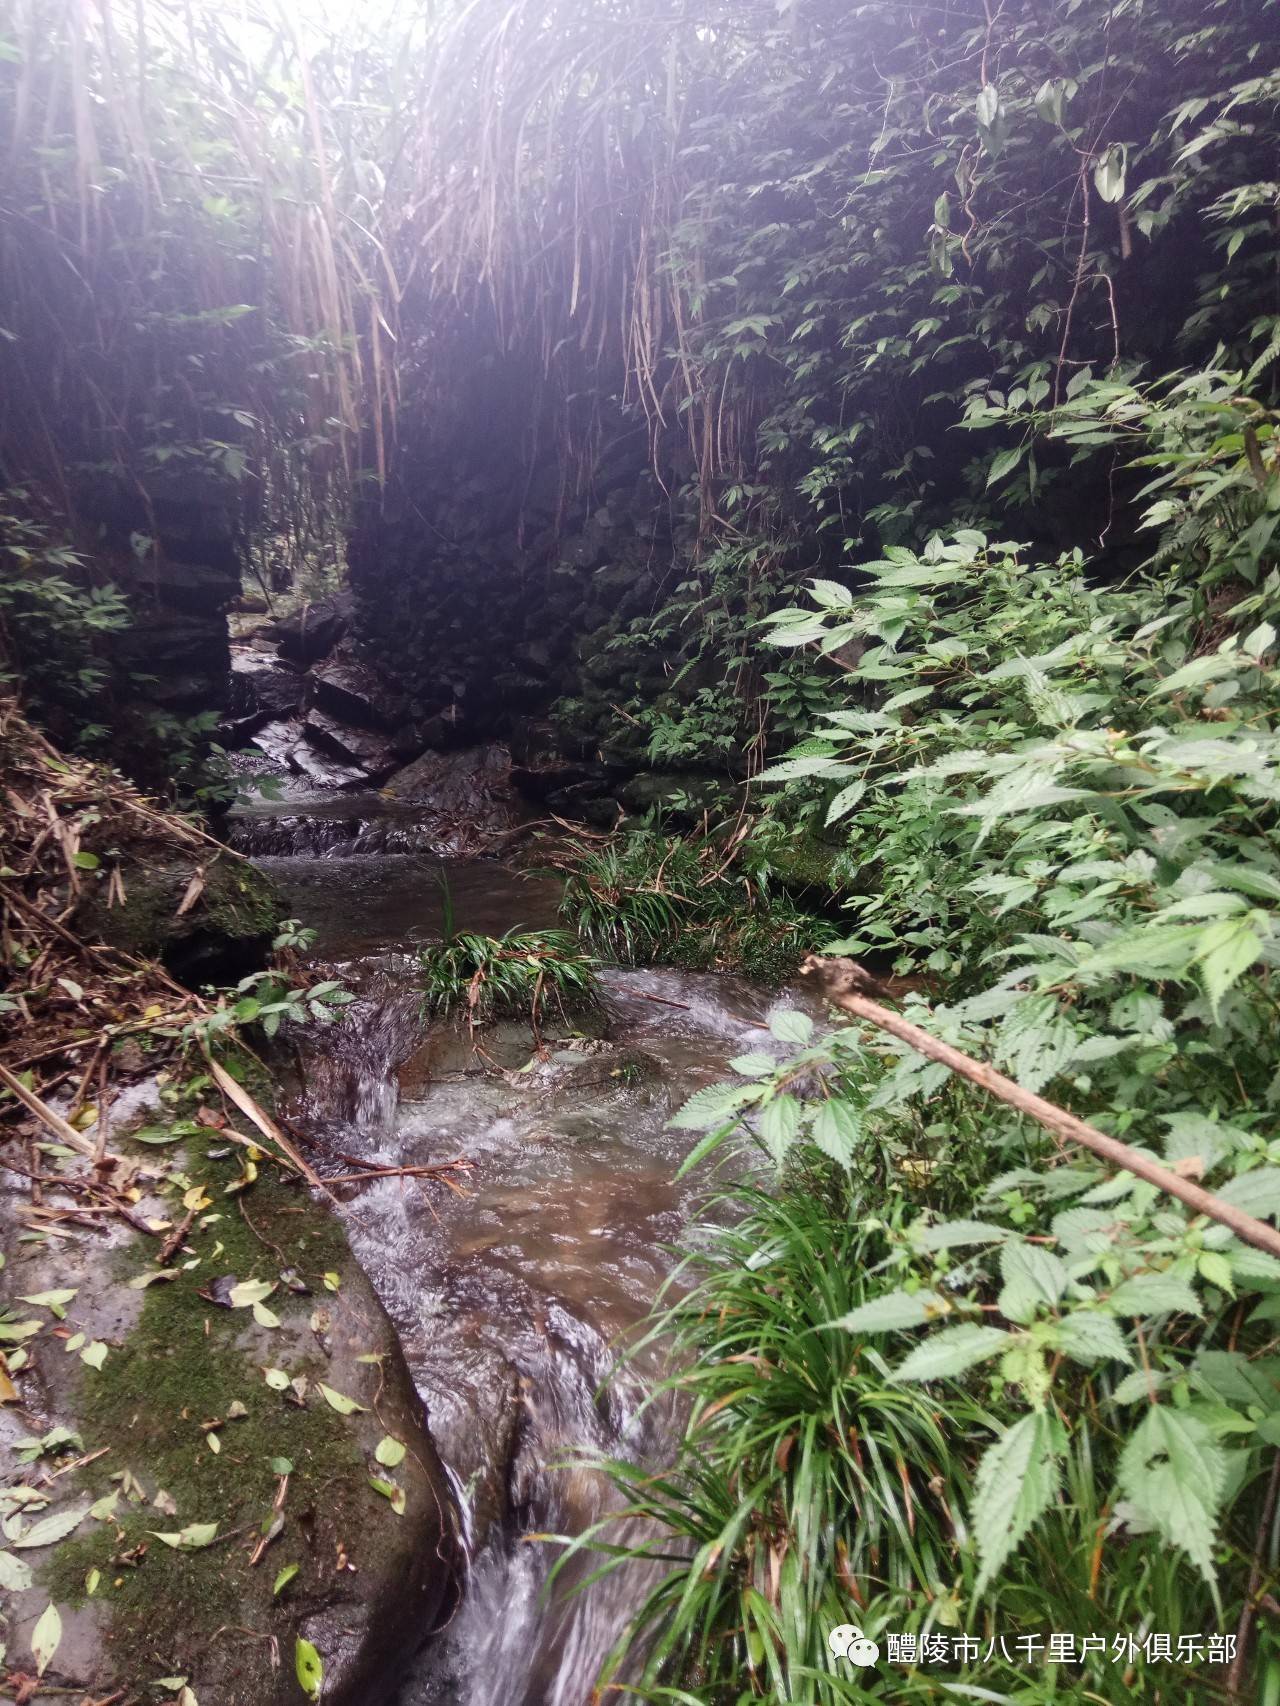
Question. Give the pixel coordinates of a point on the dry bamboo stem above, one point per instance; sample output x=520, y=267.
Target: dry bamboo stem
x=842, y=982
x=57, y=1125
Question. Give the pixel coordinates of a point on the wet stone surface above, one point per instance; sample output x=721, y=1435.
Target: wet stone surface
x=513, y=1296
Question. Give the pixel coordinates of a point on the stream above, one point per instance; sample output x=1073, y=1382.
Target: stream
x=510, y=1295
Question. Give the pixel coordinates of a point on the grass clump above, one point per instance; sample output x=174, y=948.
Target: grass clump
x=690, y=901
x=493, y=977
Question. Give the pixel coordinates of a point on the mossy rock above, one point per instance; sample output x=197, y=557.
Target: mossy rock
x=372, y=1579
x=807, y=863
x=225, y=933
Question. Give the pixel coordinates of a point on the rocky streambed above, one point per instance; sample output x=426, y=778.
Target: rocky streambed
x=363, y=1466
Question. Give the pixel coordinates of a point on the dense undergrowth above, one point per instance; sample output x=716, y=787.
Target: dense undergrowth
x=955, y=1380
x=956, y=328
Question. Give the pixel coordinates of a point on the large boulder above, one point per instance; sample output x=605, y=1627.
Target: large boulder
x=351, y=692
x=210, y=919
x=471, y=785
x=362, y=748
x=313, y=630
x=308, y=1531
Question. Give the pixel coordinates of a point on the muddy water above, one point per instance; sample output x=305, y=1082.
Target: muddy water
x=512, y=1300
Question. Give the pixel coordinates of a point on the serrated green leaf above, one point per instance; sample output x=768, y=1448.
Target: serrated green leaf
x=1173, y=1473
x=791, y=1027
x=50, y=1529
x=1015, y=1484
x=1034, y=1279
x=713, y=1106
x=952, y=1352
x=836, y=1130
x=895, y=1310
x=753, y=1065
x=780, y=1125
x=1153, y=1294
x=1089, y=1336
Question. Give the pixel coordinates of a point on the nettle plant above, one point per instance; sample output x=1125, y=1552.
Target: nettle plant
x=1064, y=808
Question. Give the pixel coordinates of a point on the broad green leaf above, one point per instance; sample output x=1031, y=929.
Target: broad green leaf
x=308, y=1668
x=284, y=1577
x=1033, y=1279
x=389, y=1452
x=45, y=1637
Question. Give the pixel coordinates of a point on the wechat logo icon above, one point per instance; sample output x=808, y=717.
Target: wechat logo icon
x=847, y=1641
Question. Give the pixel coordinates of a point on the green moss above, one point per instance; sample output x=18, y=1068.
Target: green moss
x=806, y=863
x=239, y=903
x=181, y=1366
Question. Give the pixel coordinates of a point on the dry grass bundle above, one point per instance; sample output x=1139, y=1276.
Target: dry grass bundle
x=65, y=823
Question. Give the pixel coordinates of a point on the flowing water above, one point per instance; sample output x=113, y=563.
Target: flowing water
x=511, y=1300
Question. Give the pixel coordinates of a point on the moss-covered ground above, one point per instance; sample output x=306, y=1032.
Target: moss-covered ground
x=185, y=1364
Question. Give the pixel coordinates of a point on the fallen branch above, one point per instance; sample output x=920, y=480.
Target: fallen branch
x=56, y=1124
x=843, y=983
x=265, y=1124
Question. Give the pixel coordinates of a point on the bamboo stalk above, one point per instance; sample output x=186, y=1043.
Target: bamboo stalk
x=842, y=982
x=57, y=1125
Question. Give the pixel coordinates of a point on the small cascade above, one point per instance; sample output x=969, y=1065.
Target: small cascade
x=514, y=1298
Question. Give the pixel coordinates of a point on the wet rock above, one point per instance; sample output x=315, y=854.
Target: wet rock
x=562, y=778
x=681, y=793
x=361, y=748
x=224, y=932
x=276, y=740
x=351, y=692
x=260, y=681
x=472, y=783
x=313, y=630
x=370, y=1583
x=324, y=771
